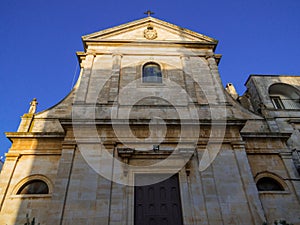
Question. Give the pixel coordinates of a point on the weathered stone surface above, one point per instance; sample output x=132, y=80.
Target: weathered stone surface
x=89, y=147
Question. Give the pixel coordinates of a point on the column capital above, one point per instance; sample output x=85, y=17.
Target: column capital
x=184, y=56
x=117, y=54
x=91, y=53
x=12, y=156
x=238, y=145
x=286, y=155
x=201, y=145
x=210, y=55
x=69, y=144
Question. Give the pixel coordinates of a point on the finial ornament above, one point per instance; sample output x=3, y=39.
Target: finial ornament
x=33, y=105
x=149, y=13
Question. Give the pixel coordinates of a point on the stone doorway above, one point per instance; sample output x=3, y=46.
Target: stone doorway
x=158, y=203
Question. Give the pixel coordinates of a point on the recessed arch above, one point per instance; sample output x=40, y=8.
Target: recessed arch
x=269, y=182
x=33, y=185
x=284, y=96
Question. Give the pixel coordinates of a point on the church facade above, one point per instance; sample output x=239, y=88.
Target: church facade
x=149, y=135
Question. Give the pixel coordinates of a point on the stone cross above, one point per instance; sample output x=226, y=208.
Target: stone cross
x=149, y=13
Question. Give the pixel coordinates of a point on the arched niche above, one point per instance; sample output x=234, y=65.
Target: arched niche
x=284, y=96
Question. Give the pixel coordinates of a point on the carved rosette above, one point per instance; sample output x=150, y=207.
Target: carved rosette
x=150, y=33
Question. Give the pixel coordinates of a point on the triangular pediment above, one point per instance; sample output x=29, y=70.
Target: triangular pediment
x=149, y=29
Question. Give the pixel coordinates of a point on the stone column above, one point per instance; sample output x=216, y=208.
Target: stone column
x=249, y=185
x=61, y=185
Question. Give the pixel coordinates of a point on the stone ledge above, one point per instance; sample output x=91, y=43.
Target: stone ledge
x=34, y=134
x=266, y=135
x=34, y=196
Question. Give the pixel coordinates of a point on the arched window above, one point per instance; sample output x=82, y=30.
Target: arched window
x=284, y=96
x=268, y=184
x=152, y=73
x=33, y=187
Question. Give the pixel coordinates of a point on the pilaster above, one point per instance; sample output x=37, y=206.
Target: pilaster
x=118, y=194
x=188, y=213
x=210, y=195
x=87, y=66
x=190, y=82
x=249, y=185
x=217, y=83
x=114, y=79
x=6, y=175
x=62, y=181
x=195, y=185
x=290, y=168
x=26, y=122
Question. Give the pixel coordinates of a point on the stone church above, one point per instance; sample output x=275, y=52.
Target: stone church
x=149, y=136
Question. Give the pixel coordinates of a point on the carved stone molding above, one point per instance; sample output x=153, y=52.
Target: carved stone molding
x=150, y=33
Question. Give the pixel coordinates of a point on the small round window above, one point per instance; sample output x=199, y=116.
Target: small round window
x=152, y=73
x=33, y=187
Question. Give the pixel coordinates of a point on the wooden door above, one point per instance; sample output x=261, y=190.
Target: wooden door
x=159, y=203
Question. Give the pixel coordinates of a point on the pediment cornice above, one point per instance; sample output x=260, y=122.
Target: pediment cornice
x=135, y=31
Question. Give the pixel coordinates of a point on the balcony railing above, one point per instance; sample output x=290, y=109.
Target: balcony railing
x=291, y=103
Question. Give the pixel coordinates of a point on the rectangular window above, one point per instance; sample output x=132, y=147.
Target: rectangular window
x=152, y=73
x=277, y=102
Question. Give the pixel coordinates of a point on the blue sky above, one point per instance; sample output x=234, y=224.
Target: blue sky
x=39, y=39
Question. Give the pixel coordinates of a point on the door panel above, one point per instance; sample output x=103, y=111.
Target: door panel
x=159, y=203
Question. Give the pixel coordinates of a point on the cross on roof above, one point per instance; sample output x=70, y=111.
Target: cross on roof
x=149, y=13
